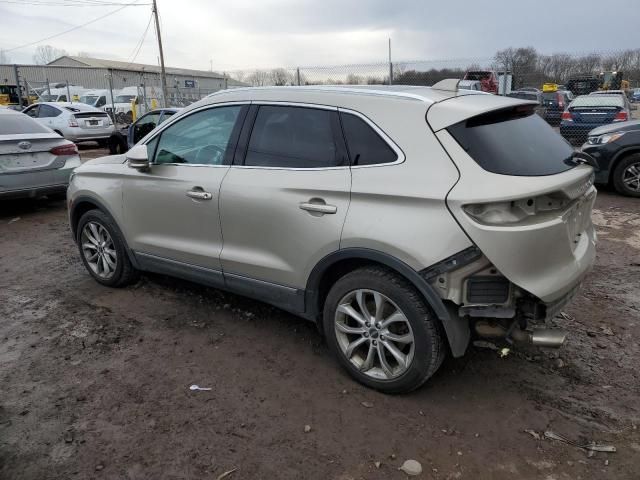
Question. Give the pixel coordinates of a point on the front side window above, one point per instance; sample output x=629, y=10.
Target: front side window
x=63, y=98
x=365, y=146
x=292, y=137
x=201, y=138
x=32, y=111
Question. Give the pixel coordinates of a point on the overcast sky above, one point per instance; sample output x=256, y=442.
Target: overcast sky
x=239, y=34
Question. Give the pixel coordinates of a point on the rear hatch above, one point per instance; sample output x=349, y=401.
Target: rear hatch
x=522, y=198
x=92, y=119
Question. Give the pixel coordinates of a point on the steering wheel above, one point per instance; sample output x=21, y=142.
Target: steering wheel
x=209, y=155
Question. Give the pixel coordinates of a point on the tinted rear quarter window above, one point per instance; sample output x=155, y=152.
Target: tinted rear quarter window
x=11, y=124
x=292, y=137
x=365, y=146
x=513, y=142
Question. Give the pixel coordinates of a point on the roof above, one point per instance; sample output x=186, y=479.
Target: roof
x=138, y=67
x=408, y=92
x=77, y=105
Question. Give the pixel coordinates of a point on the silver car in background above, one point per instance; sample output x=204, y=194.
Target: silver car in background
x=77, y=122
x=34, y=160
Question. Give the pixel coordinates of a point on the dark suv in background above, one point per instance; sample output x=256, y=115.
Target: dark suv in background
x=554, y=104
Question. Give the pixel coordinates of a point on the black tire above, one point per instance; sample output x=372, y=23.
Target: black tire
x=619, y=172
x=124, y=273
x=429, y=347
x=117, y=145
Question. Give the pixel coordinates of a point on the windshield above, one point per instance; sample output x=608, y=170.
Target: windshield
x=89, y=99
x=125, y=98
x=48, y=98
x=513, y=142
x=477, y=75
x=7, y=90
x=598, y=101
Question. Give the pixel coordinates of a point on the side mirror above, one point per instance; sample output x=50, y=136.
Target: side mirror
x=137, y=158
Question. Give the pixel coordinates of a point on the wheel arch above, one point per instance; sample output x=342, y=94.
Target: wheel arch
x=82, y=205
x=341, y=262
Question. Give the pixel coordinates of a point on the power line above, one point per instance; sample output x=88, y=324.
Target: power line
x=138, y=46
x=71, y=29
x=70, y=3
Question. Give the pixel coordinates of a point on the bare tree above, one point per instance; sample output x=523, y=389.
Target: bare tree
x=280, y=77
x=259, y=78
x=46, y=54
x=238, y=75
x=521, y=62
x=353, y=79
x=4, y=58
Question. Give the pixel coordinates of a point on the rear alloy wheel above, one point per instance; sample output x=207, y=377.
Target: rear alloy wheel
x=626, y=176
x=103, y=250
x=381, y=330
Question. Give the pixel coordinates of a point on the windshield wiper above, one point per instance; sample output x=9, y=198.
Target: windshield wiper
x=581, y=158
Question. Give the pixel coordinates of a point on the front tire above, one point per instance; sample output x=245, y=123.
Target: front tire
x=626, y=176
x=103, y=250
x=381, y=330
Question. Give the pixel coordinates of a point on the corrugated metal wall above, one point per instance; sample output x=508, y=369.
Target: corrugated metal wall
x=182, y=89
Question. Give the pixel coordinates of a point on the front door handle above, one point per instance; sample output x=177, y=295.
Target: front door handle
x=199, y=194
x=318, y=206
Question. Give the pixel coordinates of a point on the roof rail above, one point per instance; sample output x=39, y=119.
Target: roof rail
x=448, y=85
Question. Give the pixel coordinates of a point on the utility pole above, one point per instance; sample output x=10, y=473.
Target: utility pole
x=390, y=65
x=163, y=75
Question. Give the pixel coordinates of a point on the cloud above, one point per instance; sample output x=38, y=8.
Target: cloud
x=266, y=33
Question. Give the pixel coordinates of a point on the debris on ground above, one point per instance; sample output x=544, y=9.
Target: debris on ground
x=411, y=468
x=377, y=464
x=485, y=344
x=13, y=220
x=534, y=434
x=504, y=352
x=307, y=428
x=607, y=331
x=226, y=474
x=195, y=388
x=592, y=447
x=367, y=404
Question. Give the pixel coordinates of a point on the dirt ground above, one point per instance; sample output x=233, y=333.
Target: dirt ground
x=94, y=382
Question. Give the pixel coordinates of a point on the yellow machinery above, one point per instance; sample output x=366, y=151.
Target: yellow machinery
x=550, y=87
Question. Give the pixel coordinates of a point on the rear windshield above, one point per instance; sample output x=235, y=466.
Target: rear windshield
x=598, y=101
x=11, y=124
x=513, y=142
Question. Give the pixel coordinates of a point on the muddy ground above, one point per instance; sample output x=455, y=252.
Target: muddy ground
x=94, y=382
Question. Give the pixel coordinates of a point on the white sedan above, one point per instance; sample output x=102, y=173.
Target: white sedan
x=77, y=122
x=34, y=160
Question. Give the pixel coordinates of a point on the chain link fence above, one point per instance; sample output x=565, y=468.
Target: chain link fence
x=552, y=81
x=125, y=94
x=609, y=81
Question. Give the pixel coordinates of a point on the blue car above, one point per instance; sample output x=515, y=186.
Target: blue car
x=587, y=112
x=635, y=95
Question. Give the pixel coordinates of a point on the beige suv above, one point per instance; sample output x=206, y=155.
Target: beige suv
x=403, y=220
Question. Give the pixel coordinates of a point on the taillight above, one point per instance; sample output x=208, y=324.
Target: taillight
x=73, y=122
x=66, y=149
x=560, y=100
x=566, y=116
x=621, y=117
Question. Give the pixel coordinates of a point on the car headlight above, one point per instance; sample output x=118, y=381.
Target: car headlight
x=606, y=138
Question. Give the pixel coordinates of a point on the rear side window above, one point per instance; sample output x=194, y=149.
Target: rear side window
x=292, y=137
x=11, y=124
x=513, y=142
x=47, y=111
x=365, y=146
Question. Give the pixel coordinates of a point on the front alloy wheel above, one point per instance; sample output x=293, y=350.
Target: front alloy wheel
x=374, y=334
x=98, y=250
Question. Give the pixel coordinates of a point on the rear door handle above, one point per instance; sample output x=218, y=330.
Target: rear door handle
x=199, y=194
x=318, y=207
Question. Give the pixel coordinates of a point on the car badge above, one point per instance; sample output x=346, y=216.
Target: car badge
x=24, y=145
